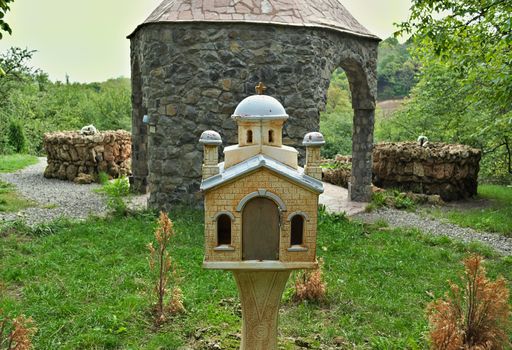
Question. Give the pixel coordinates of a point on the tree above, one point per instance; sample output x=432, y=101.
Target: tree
x=4, y=26
x=466, y=45
x=16, y=70
x=396, y=70
x=4, y=7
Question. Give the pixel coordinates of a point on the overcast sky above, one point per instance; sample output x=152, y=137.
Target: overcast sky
x=87, y=39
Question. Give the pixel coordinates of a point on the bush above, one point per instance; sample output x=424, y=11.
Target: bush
x=472, y=316
x=16, y=137
x=116, y=190
x=391, y=199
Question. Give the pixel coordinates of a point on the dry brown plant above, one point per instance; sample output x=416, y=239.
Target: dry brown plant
x=16, y=334
x=309, y=285
x=473, y=316
x=162, y=264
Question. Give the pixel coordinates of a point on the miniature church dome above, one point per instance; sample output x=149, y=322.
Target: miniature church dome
x=314, y=139
x=210, y=137
x=260, y=107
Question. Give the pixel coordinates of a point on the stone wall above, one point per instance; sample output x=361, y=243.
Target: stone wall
x=189, y=77
x=75, y=157
x=450, y=171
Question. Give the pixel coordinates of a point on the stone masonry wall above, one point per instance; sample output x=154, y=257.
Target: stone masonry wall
x=450, y=171
x=72, y=155
x=193, y=75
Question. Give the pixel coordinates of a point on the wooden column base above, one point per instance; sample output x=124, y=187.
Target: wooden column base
x=260, y=295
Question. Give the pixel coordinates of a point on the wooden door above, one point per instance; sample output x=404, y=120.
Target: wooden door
x=260, y=232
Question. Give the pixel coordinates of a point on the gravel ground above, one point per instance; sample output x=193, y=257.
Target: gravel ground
x=55, y=198
x=397, y=218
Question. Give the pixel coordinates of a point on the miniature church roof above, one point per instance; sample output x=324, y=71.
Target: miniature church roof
x=260, y=107
x=261, y=161
x=303, y=13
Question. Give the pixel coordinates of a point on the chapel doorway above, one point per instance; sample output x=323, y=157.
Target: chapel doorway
x=260, y=230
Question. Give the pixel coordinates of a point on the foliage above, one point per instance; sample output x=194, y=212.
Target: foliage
x=391, y=199
x=28, y=96
x=465, y=89
x=4, y=26
x=493, y=217
x=474, y=315
x=13, y=162
x=16, y=137
x=16, y=334
x=160, y=262
x=103, y=178
x=17, y=72
x=310, y=286
x=336, y=121
x=396, y=77
x=85, y=284
x=396, y=70
x=115, y=191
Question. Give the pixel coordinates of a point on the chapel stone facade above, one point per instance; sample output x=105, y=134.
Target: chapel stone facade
x=193, y=60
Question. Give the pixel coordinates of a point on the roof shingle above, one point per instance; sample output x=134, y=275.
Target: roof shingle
x=307, y=13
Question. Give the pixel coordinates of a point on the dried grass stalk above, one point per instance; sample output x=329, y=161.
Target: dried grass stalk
x=161, y=263
x=16, y=334
x=309, y=285
x=474, y=316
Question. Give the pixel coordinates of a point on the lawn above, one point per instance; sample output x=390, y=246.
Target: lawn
x=87, y=286
x=12, y=162
x=10, y=200
x=496, y=217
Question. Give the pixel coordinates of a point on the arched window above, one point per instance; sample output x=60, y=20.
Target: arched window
x=249, y=136
x=297, y=234
x=271, y=136
x=223, y=230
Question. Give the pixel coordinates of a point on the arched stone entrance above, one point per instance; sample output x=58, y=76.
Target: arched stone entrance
x=198, y=60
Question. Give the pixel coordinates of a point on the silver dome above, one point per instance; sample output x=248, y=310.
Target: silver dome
x=314, y=139
x=210, y=137
x=260, y=107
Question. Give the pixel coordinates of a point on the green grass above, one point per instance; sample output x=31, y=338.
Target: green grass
x=10, y=200
x=391, y=198
x=12, y=162
x=495, y=218
x=87, y=285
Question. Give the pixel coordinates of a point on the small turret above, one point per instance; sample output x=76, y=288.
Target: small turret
x=211, y=141
x=313, y=142
x=260, y=120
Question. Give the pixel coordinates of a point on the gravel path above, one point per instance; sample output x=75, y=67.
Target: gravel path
x=397, y=218
x=58, y=198
x=55, y=198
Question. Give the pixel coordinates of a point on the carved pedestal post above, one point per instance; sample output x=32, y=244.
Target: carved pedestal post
x=260, y=294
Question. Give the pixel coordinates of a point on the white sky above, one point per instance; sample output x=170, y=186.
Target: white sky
x=87, y=39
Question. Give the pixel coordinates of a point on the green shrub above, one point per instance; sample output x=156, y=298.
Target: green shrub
x=391, y=199
x=16, y=137
x=103, y=178
x=115, y=191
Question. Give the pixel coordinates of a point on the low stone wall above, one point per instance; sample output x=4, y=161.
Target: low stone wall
x=79, y=158
x=450, y=171
x=337, y=171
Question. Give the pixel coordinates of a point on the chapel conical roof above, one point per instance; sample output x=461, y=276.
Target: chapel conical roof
x=306, y=13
